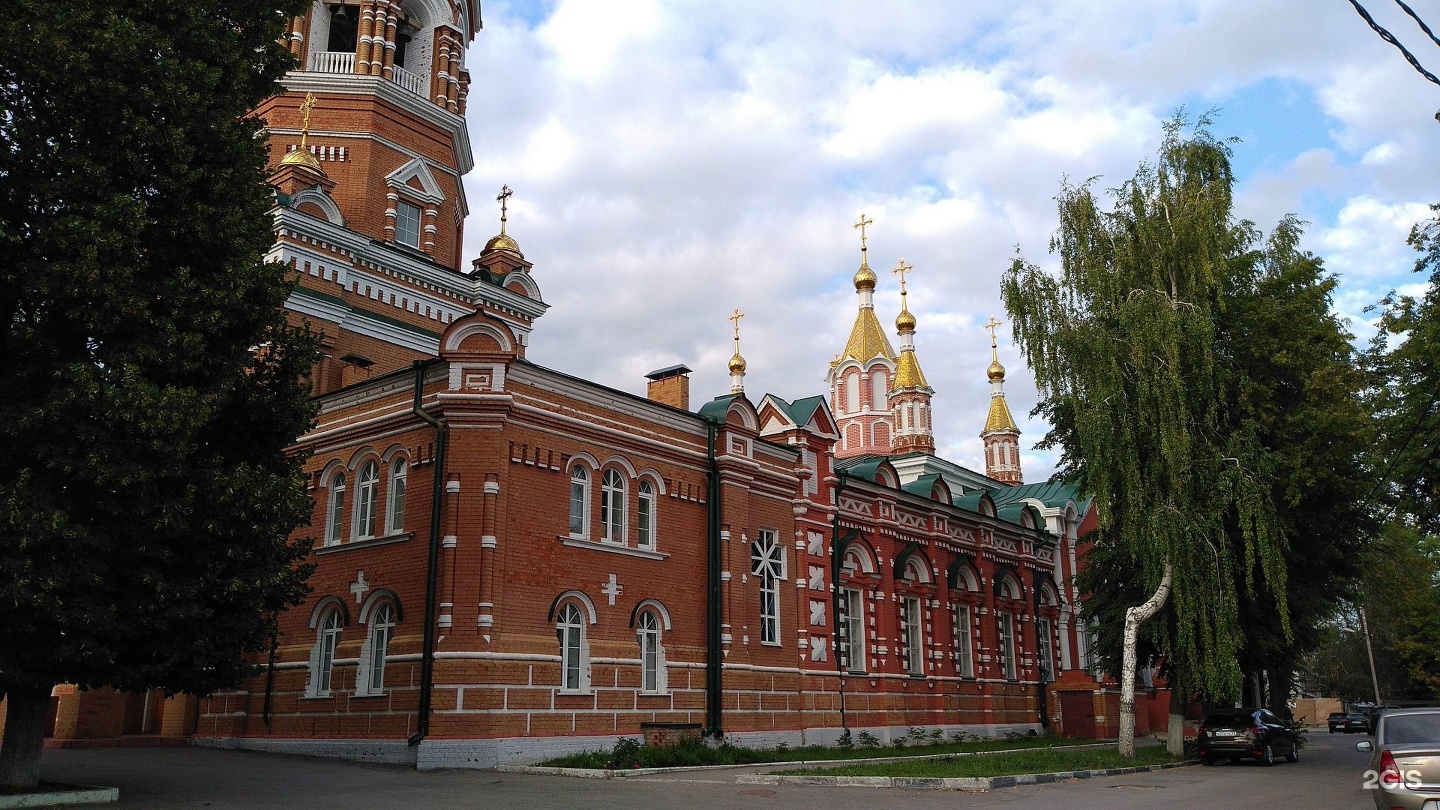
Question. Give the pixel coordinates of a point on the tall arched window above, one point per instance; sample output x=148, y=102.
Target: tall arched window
x=395, y=509
x=645, y=516
x=612, y=506
x=335, y=517
x=382, y=629
x=570, y=629
x=879, y=390
x=329, y=638
x=579, y=502
x=652, y=675
x=367, y=491
x=852, y=392
x=767, y=565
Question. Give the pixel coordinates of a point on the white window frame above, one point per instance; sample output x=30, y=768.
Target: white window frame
x=367, y=500
x=580, y=502
x=371, y=681
x=964, y=644
x=1046, y=649
x=652, y=653
x=612, y=506
x=912, y=628
x=1005, y=624
x=852, y=392
x=335, y=510
x=395, y=508
x=327, y=641
x=402, y=208
x=645, y=517
x=767, y=565
x=855, y=656
x=574, y=658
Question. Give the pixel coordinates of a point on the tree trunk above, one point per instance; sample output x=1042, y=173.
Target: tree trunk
x=1279, y=676
x=1175, y=731
x=1133, y=618
x=25, y=715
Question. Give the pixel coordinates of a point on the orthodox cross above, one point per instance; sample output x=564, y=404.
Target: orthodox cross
x=305, y=107
x=900, y=270
x=861, y=226
x=504, y=198
x=735, y=319
x=612, y=589
x=359, y=586
x=992, y=326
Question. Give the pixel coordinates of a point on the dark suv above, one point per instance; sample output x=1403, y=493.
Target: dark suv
x=1336, y=721
x=1237, y=734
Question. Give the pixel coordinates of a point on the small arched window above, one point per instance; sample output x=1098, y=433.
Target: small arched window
x=335, y=517
x=382, y=629
x=652, y=656
x=395, y=509
x=326, y=642
x=612, y=506
x=579, y=502
x=645, y=516
x=367, y=491
x=879, y=391
x=852, y=392
x=570, y=630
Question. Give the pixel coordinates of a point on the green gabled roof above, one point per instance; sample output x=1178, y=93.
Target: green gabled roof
x=970, y=501
x=923, y=485
x=1053, y=492
x=715, y=409
x=864, y=467
x=801, y=410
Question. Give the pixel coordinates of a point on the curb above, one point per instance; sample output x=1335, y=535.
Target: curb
x=601, y=773
x=61, y=795
x=973, y=784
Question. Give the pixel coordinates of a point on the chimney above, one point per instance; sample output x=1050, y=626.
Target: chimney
x=670, y=386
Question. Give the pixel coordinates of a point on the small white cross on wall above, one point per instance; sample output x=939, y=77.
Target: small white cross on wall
x=359, y=586
x=612, y=589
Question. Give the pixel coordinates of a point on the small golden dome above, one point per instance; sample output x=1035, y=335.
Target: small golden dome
x=905, y=322
x=502, y=242
x=864, y=277
x=737, y=364
x=302, y=157
x=996, y=372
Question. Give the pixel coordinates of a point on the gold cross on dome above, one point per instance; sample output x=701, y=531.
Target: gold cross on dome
x=735, y=319
x=900, y=270
x=305, y=107
x=504, y=199
x=861, y=226
x=992, y=326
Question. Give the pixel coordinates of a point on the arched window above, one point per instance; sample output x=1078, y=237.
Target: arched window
x=645, y=516
x=367, y=491
x=767, y=564
x=652, y=655
x=911, y=635
x=852, y=625
x=395, y=510
x=574, y=668
x=964, y=639
x=579, y=502
x=879, y=391
x=382, y=629
x=852, y=392
x=335, y=517
x=612, y=506
x=328, y=639
x=1006, y=626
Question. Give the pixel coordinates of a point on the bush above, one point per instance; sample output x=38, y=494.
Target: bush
x=845, y=743
x=868, y=740
x=625, y=754
x=916, y=734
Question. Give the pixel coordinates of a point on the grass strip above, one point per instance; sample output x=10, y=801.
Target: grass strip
x=1041, y=760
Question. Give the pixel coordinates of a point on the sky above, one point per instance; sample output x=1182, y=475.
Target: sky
x=674, y=161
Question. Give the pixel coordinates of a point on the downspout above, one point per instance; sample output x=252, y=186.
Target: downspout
x=713, y=654
x=835, y=552
x=270, y=679
x=427, y=657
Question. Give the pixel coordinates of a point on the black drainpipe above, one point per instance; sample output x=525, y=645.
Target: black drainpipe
x=427, y=656
x=270, y=679
x=713, y=654
x=835, y=553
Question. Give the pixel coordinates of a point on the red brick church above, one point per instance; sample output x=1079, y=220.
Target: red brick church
x=514, y=562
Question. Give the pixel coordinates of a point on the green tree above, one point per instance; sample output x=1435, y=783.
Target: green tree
x=149, y=384
x=1123, y=348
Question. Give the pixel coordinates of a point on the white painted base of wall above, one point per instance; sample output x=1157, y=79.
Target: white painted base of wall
x=389, y=752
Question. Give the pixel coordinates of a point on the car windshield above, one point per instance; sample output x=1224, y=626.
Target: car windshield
x=1406, y=729
x=1229, y=720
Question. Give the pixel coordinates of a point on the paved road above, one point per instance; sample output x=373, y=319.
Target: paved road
x=1328, y=776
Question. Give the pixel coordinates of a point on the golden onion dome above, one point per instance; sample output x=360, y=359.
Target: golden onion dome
x=302, y=157
x=864, y=277
x=502, y=242
x=996, y=372
x=905, y=322
x=737, y=364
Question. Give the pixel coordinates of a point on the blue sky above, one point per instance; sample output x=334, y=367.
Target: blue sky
x=672, y=161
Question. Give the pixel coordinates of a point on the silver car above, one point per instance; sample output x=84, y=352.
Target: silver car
x=1405, y=760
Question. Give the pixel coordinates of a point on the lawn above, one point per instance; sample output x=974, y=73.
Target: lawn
x=1037, y=760
x=628, y=753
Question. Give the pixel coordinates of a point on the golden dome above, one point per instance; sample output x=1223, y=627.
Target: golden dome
x=905, y=322
x=999, y=418
x=996, y=372
x=302, y=157
x=737, y=364
x=502, y=242
x=864, y=277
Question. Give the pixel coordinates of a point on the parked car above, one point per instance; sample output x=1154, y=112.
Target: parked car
x=1405, y=759
x=1237, y=734
x=1335, y=720
x=1356, y=721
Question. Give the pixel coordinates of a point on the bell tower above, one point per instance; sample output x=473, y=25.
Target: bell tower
x=1001, y=436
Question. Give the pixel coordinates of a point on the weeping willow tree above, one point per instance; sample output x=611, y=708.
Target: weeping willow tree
x=1123, y=347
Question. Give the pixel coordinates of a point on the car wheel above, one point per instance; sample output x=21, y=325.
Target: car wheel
x=1294, y=755
x=1267, y=756
x=1207, y=761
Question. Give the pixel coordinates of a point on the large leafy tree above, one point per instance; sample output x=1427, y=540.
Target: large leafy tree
x=149, y=384
x=1123, y=347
